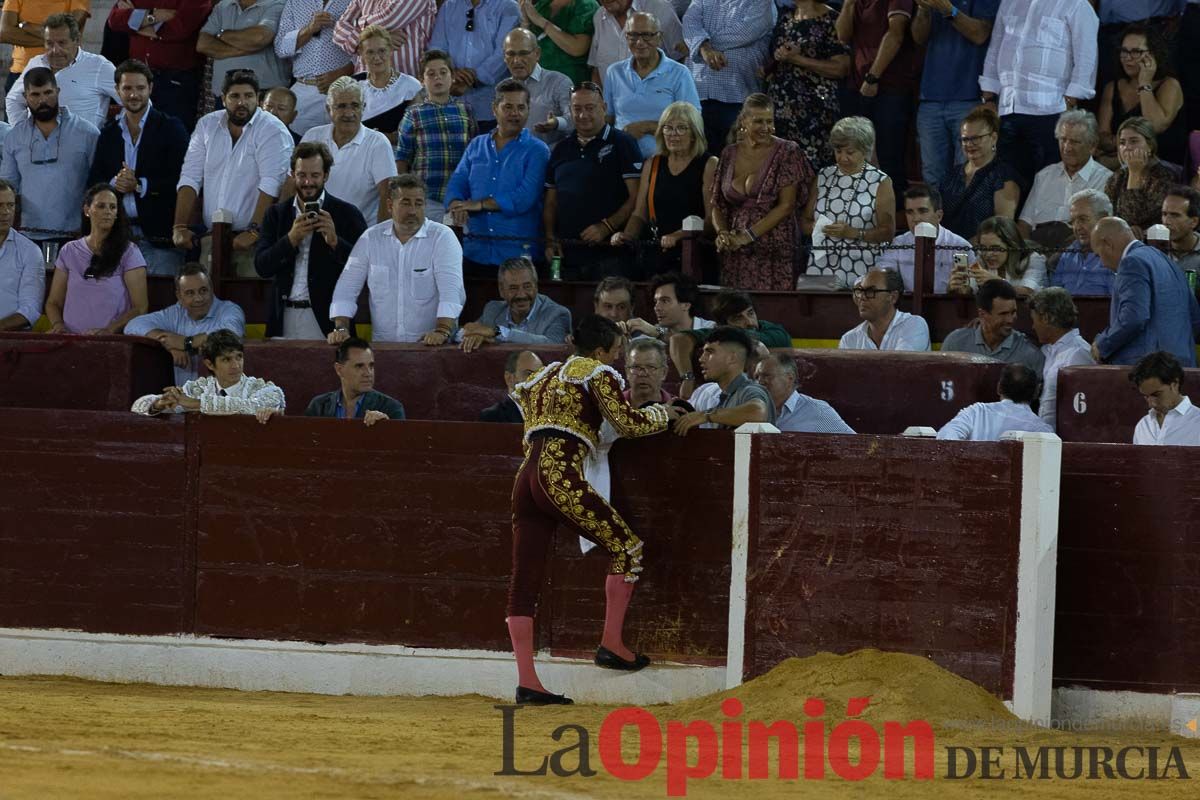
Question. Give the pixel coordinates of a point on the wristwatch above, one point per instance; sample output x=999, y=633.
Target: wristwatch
x=187, y=345
x=953, y=12
x=688, y=376
x=870, y=79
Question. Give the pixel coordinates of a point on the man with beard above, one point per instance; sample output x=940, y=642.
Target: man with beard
x=521, y=315
x=244, y=179
x=363, y=160
x=86, y=78
x=182, y=329
x=46, y=158
x=304, y=247
x=22, y=270
x=140, y=153
x=413, y=269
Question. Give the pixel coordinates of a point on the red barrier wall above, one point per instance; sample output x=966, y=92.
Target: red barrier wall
x=100, y=373
x=1128, y=608
x=1099, y=404
x=96, y=522
x=867, y=542
x=875, y=392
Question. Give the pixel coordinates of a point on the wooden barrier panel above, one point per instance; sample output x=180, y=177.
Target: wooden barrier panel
x=401, y=534
x=94, y=522
x=874, y=392
x=97, y=373
x=1128, y=609
x=887, y=392
x=900, y=544
x=1099, y=404
x=677, y=495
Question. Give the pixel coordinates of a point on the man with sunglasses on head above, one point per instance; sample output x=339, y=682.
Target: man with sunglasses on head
x=884, y=327
x=46, y=157
x=472, y=32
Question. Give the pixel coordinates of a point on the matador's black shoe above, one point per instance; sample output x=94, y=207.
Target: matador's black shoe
x=532, y=697
x=609, y=660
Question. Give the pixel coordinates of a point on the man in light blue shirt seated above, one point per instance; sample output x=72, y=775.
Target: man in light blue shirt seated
x=1079, y=270
x=638, y=89
x=22, y=270
x=182, y=329
x=47, y=157
x=496, y=189
x=521, y=316
x=794, y=411
x=986, y=422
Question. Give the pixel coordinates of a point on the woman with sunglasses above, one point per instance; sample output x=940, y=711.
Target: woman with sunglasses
x=99, y=280
x=1145, y=89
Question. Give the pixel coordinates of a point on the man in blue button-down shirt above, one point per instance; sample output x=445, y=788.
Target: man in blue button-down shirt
x=46, y=157
x=1079, y=270
x=22, y=270
x=472, y=32
x=496, y=190
x=182, y=329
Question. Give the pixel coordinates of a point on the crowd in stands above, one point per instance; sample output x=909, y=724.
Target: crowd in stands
x=403, y=146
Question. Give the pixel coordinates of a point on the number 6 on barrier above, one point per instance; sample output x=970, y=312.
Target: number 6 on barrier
x=1079, y=403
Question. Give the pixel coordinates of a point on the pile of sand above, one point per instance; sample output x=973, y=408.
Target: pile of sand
x=901, y=687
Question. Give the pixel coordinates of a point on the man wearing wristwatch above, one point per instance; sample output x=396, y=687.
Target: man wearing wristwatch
x=955, y=33
x=883, y=76
x=412, y=267
x=239, y=157
x=182, y=329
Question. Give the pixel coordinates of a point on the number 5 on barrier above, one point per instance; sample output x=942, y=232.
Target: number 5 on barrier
x=947, y=390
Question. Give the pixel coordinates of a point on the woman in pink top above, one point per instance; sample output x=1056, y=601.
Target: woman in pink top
x=100, y=280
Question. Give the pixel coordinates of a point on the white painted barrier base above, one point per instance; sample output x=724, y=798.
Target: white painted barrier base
x=1077, y=708
x=358, y=669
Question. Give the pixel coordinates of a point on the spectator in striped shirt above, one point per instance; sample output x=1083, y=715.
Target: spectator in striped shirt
x=409, y=21
x=434, y=133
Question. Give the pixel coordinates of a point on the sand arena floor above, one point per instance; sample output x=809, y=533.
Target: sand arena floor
x=65, y=738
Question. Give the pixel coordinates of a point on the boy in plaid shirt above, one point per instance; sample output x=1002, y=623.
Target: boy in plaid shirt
x=434, y=133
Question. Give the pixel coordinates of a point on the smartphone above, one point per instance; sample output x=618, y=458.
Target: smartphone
x=960, y=262
x=311, y=209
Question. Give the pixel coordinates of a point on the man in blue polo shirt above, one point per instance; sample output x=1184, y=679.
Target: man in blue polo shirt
x=956, y=34
x=638, y=89
x=496, y=190
x=591, y=187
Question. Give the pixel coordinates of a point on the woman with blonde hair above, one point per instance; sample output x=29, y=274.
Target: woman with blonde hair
x=386, y=90
x=1138, y=188
x=855, y=206
x=410, y=23
x=1005, y=255
x=760, y=184
x=676, y=183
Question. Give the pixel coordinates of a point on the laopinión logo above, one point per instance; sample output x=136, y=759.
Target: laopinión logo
x=823, y=750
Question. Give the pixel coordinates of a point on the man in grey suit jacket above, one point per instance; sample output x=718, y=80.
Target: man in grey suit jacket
x=521, y=316
x=355, y=367
x=1152, y=307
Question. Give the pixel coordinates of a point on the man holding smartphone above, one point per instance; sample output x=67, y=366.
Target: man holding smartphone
x=923, y=203
x=304, y=247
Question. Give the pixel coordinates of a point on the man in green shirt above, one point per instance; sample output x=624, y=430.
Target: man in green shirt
x=564, y=30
